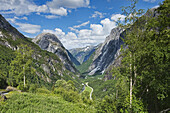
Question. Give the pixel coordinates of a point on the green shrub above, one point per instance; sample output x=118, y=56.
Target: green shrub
x=85, y=96
x=43, y=90
x=33, y=88
x=22, y=87
x=68, y=95
x=107, y=105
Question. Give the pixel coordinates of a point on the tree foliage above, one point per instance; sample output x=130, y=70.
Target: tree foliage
x=21, y=67
x=146, y=57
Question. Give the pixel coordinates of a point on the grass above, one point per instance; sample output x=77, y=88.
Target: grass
x=102, y=88
x=87, y=88
x=45, y=103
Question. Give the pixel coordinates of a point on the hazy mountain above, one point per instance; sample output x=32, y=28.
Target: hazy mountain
x=83, y=54
x=73, y=59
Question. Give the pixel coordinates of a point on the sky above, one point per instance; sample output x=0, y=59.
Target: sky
x=77, y=23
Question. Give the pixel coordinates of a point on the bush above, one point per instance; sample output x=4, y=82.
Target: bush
x=85, y=96
x=33, y=88
x=70, y=95
x=106, y=105
x=43, y=90
x=22, y=87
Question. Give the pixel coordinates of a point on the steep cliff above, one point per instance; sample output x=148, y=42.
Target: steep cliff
x=107, y=53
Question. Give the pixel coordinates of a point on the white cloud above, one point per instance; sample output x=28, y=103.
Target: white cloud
x=68, y=3
x=98, y=14
x=18, y=7
x=149, y=1
x=84, y=33
x=116, y=17
x=74, y=28
x=20, y=18
x=94, y=35
x=58, y=32
x=51, y=16
x=57, y=7
x=13, y=20
x=42, y=8
x=24, y=18
x=97, y=29
x=83, y=24
x=107, y=25
x=60, y=11
x=71, y=35
x=28, y=28
x=25, y=27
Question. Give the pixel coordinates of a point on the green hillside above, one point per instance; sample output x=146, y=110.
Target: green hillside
x=48, y=67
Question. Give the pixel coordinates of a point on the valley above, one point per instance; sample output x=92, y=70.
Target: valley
x=127, y=73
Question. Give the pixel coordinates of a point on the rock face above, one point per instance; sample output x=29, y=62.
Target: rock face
x=107, y=53
x=117, y=60
x=83, y=54
x=51, y=43
x=73, y=59
x=4, y=25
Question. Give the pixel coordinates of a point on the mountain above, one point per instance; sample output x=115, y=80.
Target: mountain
x=117, y=62
x=51, y=43
x=83, y=54
x=106, y=56
x=48, y=66
x=73, y=59
x=107, y=52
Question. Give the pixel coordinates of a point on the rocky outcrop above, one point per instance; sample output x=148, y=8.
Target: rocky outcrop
x=51, y=43
x=107, y=53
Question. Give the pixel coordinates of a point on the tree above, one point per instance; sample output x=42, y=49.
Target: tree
x=154, y=60
x=69, y=85
x=132, y=37
x=146, y=58
x=20, y=67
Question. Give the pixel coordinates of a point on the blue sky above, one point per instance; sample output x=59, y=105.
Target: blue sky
x=77, y=23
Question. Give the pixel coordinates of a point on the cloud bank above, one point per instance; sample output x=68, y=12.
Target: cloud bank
x=84, y=37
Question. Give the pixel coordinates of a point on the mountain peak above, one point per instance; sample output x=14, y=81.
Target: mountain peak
x=44, y=38
x=50, y=42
